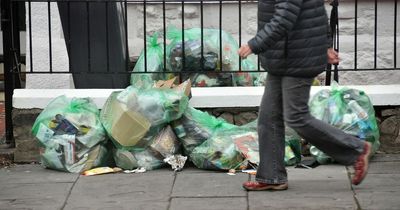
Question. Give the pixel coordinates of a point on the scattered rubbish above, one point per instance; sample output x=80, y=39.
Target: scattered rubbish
x=301, y=165
x=176, y=161
x=308, y=164
x=101, y=170
x=250, y=171
x=231, y=172
x=136, y=171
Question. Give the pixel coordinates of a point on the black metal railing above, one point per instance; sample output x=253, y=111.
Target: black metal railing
x=12, y=51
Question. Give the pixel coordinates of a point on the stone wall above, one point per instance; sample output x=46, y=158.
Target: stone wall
x=26, y=146
x=27, y=149
x=389, y=127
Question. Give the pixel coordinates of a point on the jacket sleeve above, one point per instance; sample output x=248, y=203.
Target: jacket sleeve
x=283, y=20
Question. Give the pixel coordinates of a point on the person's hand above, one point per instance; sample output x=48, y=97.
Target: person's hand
x=244, y=51
x=333, y=56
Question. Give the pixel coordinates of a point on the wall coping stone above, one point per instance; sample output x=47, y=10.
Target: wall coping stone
x=210, y=97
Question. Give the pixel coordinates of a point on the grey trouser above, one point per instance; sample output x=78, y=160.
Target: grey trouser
x=286, y=100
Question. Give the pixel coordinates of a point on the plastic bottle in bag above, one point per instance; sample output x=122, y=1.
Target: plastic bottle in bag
x=362, y=118
x=356, y=108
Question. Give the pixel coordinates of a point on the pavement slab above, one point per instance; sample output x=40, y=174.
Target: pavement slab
x=386, y=158
x=322, y=172
x=383, y=168
x=378, y=200
x=35, y=196
x=122, y=191
x=225, y=203
x=211, y=184
x=29, y=174
x=381, y=188
x=325, y=187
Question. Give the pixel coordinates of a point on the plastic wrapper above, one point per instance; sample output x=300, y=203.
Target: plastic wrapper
x=176, y=161
x=101, y=170
x=219, y=152
x=292, y=147
x=125, y=159
x=144, y=158
x=247, y=144
x=70, y=135
x=163, y=144
x=349, y=110
x=149, y=160
x=195, y=127
x=166, y=142
x=132, y=117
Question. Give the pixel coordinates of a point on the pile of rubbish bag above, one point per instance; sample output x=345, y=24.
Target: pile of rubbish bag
x=147, y=128
x=196, y=50
x=347, y=109
x=151, y=127
x=150, y=124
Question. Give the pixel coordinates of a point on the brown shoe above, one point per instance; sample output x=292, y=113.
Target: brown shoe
x=258, y=186
x=361, y=165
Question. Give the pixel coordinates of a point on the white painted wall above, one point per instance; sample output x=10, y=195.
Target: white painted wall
x=230, y=24
x=212, y=97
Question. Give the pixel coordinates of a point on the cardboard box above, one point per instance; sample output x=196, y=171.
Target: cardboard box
x=128, y=127
x=170, y=84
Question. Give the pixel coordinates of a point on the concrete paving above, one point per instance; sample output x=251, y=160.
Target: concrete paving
x=324, y=187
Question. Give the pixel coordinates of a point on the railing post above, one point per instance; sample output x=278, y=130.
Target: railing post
x=9, y=65
x=334, y=22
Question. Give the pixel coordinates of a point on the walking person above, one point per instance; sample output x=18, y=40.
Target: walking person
x=294, y=46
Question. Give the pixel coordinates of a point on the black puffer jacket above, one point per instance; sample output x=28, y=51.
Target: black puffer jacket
x=292, y=37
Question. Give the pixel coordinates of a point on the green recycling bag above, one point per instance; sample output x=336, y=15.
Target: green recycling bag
x=70, y=135
x=134, y=116
x=154, y=63
x=163, y=144
x=186, y=56
x=245, y=78
x=247, y=144
x=195, y=127
x=349, y=110
x=219, y=152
